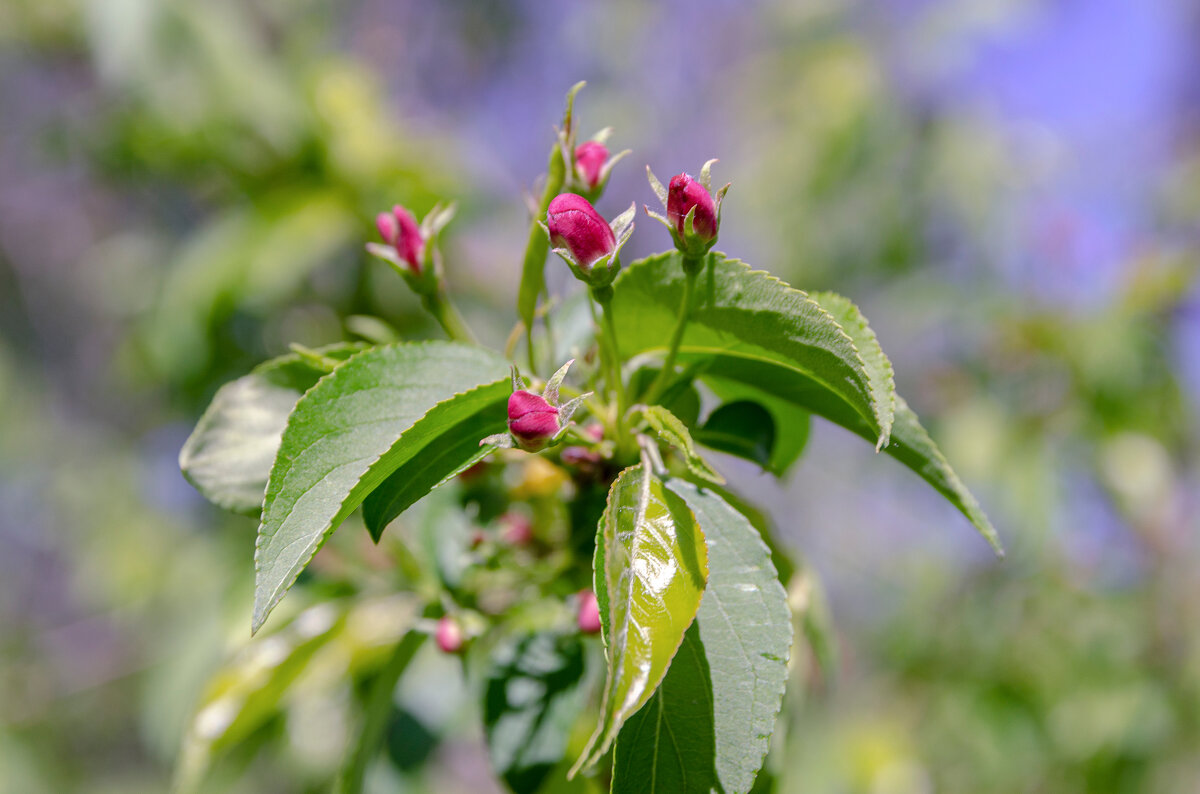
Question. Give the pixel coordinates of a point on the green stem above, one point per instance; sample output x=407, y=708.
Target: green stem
x=691, y=267
x=608, y=349
x=446, y=313
x=379, y=708
x=533, y=270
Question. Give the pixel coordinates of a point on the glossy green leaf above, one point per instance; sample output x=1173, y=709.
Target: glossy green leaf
x=655, y=566
x=444, y=443
x=742, y=428
x=748, y=315
x=229, y=454
x=346, y=436
x=674, y=433
x=708, y=726
x=534, y=691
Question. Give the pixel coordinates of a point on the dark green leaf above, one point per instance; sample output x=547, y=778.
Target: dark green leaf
x=655, y=565
x=741, y=428
x=708, y=726
x=443, y=443
x=535, y=690
x=350, y=433
x=791, y=422
x=228, y=456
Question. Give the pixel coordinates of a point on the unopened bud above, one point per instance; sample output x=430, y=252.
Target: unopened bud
x=518, y=530
x=576, y=226
x=449, y=635
x=532, y=420
x=683, y=194
x=590, y=158
x=588, y=615
x=399, y=229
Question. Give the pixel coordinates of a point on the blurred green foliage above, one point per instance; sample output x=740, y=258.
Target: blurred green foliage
x=224, y=161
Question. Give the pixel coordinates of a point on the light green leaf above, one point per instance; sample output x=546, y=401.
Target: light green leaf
x=655, y=566
x=708, y=726
x=674, y=433
x=344, y=438
x=751, y=316
x=228, y=456
x=535, y=690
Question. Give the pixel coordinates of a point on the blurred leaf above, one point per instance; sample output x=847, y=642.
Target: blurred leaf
x=228, y=456
x=708, y=726
x=651, y=568
x=348, y=434
x=534, y=691
x=674, y=433
x=741, y=428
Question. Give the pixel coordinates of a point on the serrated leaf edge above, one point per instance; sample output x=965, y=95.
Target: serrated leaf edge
x=261, y=614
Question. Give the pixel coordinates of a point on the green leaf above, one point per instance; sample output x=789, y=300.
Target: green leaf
x=346, y=436
x=444, y=443
x=911, y=444
x=791, y=423
x=228, y=456
x=655, y=566
x=674, y=433
x=748, y=342
x=535, y=690
x=750, y=316
x=743, y=428
x=708, y=726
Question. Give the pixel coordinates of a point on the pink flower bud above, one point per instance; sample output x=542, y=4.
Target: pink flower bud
x=449, y=635
x=531, y=419
x=684, y=193
x=517, y=531
x=590, y=158
x=399, y=229
x=588, y=616
x=575, y=225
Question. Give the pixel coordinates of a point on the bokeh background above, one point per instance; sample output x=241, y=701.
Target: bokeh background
x=1009, y=188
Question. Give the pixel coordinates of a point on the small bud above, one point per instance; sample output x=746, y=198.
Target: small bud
x=581, y=457
x=590, y=158
x=517, y=529
x=575, y=226
x=531, y=419
x=399, y=229
x=449, y=635
x=588, y=615
x=683, y=193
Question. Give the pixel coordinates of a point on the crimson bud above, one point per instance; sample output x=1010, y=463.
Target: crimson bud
x=590, y=158
x=683, y=194
x=576, y=226
x=399, y=229
x=532, y=419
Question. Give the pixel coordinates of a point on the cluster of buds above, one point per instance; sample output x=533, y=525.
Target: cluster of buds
x=693, y=211
x=411, y=249
x=590, y=245
x=536, y=421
